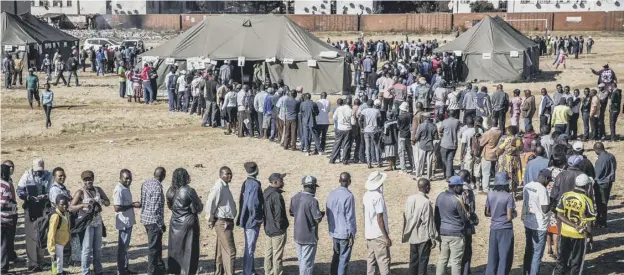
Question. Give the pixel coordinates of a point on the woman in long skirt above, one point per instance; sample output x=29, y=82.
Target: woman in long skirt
x=509, y=151
x=185, y=207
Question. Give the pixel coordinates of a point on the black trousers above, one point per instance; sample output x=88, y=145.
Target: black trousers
x=595, y=122
x=500, y=116
x=155, y=264
x=35, y=255
x=8, y=246
x=60, y=76
x=571, y=256
x=612, y=120
x=342, y=142
x=601, y=120
x=467, y=258
x=573, y=126
x=586, y=122
x=602, y=191
x=469, y=113
x=322, y=130
x=419, y=258
x=543, y=121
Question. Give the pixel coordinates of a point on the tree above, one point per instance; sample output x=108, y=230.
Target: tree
x=253, y=7
x=482, y=6
x=413, y=6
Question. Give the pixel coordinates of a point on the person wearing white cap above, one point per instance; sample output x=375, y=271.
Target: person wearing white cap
x=304, y=207
x=182, y=94
x=586, y=165
x=376, y=228
x=405, y=149
x=576, y=213
x=33, y=189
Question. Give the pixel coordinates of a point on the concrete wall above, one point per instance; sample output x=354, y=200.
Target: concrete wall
x=15, y=6
x=356, y=7
x=313, y=7
x=588, y=21
x=565, y=6
x=406, y=22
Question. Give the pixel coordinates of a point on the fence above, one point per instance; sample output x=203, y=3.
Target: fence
x=436, y=22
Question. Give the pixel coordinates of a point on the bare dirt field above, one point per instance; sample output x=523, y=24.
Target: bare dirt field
x=93, y=129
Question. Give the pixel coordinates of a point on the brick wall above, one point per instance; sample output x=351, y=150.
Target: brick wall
x=579, y=21
x=413, y=23
x=466, y=19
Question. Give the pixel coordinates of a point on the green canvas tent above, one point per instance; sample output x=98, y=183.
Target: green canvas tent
x=26, y=33
x=493, y=50
x=257, y=38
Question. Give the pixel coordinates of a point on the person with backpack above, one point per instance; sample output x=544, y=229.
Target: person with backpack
x=33, y=189
x=8, y=218
x=88, y=202
x=72, y=67
x=58, y=233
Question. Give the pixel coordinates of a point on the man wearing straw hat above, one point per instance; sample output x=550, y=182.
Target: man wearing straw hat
x=376, y=230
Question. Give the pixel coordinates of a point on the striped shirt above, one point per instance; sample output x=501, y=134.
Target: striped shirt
x=8, y=204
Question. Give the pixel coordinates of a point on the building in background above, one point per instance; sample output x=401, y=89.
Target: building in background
x=513, y=6
x=15, y=6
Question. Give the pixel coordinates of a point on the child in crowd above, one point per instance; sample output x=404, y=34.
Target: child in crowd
x=58, y=234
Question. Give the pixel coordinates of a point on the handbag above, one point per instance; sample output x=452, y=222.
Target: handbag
x=472, y=217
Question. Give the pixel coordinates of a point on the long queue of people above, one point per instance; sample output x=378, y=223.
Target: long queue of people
x=558, y=212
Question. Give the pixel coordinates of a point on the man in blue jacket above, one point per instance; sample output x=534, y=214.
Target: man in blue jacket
x=251, y=214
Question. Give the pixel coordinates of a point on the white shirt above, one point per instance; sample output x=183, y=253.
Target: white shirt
x=323, y=116
x=374, y=204
x=240, y=99
x=534, y=196
x=182, y=83
x=344, y=116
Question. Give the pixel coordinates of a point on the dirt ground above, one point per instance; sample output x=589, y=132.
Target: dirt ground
x=93, y=129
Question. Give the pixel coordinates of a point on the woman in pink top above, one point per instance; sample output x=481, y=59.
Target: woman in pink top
x=514, y=108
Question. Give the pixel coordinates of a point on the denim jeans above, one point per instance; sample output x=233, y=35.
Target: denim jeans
x=123, y=244
x=500, y=252
x=92, y=247
x=372, y=148
x=172, y=97
x=341, y=257
x=534, y=251
x=147, y=91
x=251, y=236
x=122, y=89
x=75, y=74
x=306, y=253
x=405, y=154
x=486, y=166
x=100, y=69
x=447, y=158
x=528, y=121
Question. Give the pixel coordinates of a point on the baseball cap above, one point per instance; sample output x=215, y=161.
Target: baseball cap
x=546, y=173
x=582, y=180
x=578, y=146
x=501, y=178
x=455, y=180
x=575, y=160
x=309, y=180
x=377, y=102
x=275, y=177
x=38, y=165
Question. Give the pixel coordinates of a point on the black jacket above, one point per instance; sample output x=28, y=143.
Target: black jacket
x=275, y=216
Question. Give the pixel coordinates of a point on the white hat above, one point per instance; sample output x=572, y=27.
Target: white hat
x=422, y=80
x=182, y=72
x=377, y=102
x=375, y=180
x=582, y=180
x=38, y=164
x=578, y=146
x=404, y=106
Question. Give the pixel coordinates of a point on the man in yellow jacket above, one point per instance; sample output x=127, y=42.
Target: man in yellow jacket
x=58, y=234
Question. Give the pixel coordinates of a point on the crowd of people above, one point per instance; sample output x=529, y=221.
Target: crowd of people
x=565, y=198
